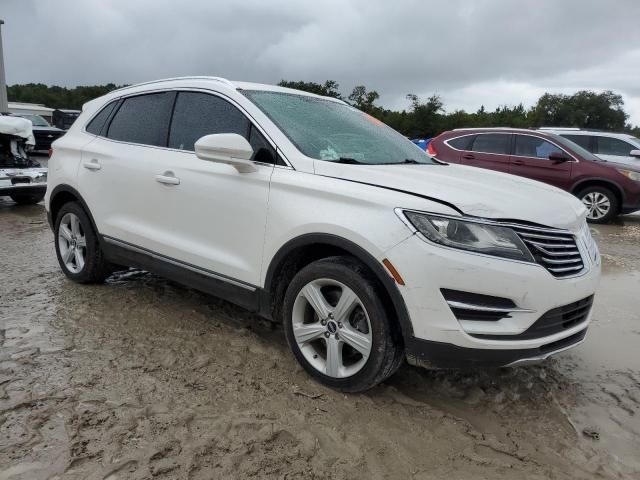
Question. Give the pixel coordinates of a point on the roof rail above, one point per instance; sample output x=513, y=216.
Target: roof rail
x=491, y=128
x=573, y=129
x=200, y=77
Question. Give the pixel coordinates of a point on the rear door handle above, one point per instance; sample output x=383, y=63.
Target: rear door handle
x=168, y=178
x=93, y=164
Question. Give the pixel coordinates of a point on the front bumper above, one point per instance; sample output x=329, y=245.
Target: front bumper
x=15, y=181
x=441, y=339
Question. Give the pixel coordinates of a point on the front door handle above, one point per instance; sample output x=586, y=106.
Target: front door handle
x=468, y=156
x=168, y=178
x=517, y=162
x=93, y=164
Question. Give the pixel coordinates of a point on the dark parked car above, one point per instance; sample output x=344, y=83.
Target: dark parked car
x=606, y=189
x=63, y=118
x=44, y=133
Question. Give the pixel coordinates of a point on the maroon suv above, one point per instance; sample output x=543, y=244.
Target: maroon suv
x=607, y=189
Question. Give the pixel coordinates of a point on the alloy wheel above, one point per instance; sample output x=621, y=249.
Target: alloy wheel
x=72, y=243
x=332, y=328
x=598, y=205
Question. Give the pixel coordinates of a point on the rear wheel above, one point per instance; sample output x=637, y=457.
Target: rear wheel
x=27, y=198
x=337, y=327
x=602, y=204
x=77, y=246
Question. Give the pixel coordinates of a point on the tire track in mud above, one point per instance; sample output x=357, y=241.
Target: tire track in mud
x=141, y=378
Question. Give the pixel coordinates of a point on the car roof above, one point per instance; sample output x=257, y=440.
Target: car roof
x=219, y=82
x=579, y=131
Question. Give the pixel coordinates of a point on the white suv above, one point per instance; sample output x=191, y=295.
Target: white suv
x=613, y=147
x=310, y=212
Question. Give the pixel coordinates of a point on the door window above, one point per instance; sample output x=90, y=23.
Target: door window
x=262, y=151
x=614, y=146
x=492, y=143
x=461, y=143
x=583, y=140
x=143, y=119
x=527, y=146
x=199, y=114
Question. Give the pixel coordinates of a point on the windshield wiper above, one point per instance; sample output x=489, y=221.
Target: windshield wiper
x=406, y=161
x=348, y=161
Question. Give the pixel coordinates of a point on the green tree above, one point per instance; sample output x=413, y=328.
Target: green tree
x=364, y=100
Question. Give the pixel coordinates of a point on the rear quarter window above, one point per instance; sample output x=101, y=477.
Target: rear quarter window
x=96, y=125
x=461, y=143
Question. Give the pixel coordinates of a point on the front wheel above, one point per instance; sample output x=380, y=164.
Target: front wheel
x=27, y=198
x=602, y=204
x=337, y=326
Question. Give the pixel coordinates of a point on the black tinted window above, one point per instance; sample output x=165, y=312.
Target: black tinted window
x=262, y=150
x=583, y=140
x=527, y=146
x=492, y=143
x=96, y=125
x=143, y=119
x=613, y=146
x=461, y=143
x=200, y=114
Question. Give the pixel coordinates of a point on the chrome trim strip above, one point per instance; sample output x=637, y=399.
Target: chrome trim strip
x=178, y=263
x=481, y=308
x=541, y=358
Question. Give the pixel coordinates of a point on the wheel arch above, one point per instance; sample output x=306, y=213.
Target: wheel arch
x=63, y=194
x=599, y=182
x=302, y=250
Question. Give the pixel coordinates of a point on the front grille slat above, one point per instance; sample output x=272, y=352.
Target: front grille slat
x=555, y=250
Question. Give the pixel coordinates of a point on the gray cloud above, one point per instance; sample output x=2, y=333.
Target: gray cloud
x=482, y=52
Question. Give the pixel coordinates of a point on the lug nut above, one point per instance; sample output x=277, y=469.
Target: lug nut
x=327, y=334
x=323, y=322
x=331, y=315
x=339, y=324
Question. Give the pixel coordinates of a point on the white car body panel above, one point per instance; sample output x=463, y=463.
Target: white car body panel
x=234, y=224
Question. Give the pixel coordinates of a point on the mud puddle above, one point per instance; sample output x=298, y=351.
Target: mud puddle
x=141, y=378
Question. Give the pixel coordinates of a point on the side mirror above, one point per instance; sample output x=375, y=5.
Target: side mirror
x=558, y=157
x=229, y=148
x=635, y=153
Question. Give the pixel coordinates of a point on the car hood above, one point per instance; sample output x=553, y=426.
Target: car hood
x=474, y=191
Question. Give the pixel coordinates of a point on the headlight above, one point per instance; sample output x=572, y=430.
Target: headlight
x=635, y=176
x=470, y=235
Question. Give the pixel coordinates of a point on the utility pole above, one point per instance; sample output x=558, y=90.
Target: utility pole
x=4, y=106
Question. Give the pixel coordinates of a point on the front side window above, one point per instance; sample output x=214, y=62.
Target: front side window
x=199, y=114
x=332, y=131
x=492, y=143
x=614, y=146
x=527, y=146
x=143, y=119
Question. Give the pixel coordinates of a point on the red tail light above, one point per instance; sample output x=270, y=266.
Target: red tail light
x=50, y=152
x=431, y=150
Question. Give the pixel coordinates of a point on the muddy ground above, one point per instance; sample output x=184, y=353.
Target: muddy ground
x=141, y=378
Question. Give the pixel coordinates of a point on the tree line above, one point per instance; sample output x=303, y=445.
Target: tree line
x=422, y=117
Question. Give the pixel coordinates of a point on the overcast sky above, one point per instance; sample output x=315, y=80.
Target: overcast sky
x=489, y=52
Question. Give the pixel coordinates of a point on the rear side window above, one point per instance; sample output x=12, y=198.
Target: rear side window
x=583, y=140
x=527, y=146
x=614, y=146
x=96, y=125
x=491, y=143
x=199, y=114
x=461, y=143
x=143, y=119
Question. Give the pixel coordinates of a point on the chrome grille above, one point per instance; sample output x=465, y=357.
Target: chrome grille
x=555, y=250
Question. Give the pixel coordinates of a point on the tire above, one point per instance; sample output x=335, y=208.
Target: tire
x=27, y=198
x=325, y=346
x=602, y=204
x=87, y=264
